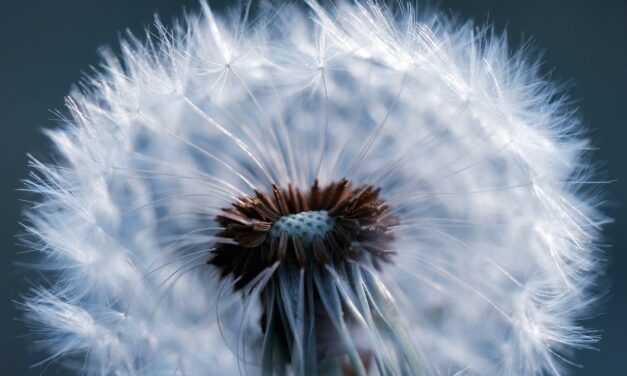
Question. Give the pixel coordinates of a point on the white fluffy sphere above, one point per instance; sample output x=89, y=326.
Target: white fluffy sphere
x=479, y=160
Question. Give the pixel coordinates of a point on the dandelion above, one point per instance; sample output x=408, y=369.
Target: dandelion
x=344, y=191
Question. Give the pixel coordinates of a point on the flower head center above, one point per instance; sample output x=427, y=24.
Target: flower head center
x=318, y=226
x=306, y=225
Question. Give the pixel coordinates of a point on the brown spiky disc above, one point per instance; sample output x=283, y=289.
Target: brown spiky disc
x=324, y=225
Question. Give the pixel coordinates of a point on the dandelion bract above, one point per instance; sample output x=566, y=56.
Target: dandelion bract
x=348, y=190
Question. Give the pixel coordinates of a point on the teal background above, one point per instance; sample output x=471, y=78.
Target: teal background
x=46, y=45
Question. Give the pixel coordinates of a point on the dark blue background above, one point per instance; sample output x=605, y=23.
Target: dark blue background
x=45, y=46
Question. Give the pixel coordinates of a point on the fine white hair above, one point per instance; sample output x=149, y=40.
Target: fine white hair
x=482, y=161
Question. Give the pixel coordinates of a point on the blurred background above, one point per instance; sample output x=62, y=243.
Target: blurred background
x=45, y=47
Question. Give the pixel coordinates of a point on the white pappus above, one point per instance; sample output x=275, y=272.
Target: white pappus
x=343, y=191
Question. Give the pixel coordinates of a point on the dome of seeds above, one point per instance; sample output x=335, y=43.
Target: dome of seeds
x=346, y=190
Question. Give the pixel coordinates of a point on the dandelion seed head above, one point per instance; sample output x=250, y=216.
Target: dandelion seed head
x=351, y=190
